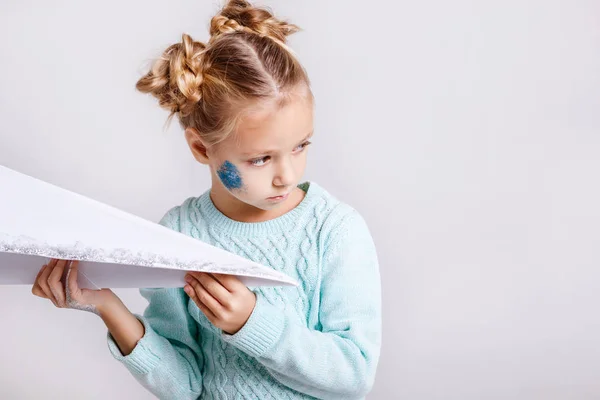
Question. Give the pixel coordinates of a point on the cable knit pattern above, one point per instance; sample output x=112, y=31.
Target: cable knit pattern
x=318, y=340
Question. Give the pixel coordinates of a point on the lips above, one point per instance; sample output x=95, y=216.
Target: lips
x=280, y=197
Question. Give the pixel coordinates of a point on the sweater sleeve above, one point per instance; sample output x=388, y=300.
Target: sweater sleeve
x=338, y=361
x=167, y=360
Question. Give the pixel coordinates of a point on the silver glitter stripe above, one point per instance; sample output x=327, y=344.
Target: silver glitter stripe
x=26, y=245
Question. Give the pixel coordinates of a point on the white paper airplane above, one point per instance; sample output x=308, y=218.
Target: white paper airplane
x=39, y=221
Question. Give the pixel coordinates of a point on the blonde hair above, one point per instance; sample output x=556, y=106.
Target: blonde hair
x=209, y=85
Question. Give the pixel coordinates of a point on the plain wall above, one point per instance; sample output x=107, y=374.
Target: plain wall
x=465, y=132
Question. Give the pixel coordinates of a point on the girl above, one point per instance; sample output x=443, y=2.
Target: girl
x=246, y=106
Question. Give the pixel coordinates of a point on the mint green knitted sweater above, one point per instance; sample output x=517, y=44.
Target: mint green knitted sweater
x=318, y=340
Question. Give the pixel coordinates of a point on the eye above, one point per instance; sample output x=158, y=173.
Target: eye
x=259, y=162
x=302, y=146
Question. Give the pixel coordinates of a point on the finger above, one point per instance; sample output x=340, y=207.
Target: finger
x=206, y=311
x=55, y=282
x=192, y=293
x=43, y=281
x=214, y=287
x=72, y=273
x=36, y=289
x=206, y=298
x=229, y=282
x=40, y=272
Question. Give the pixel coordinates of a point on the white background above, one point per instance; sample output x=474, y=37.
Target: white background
x=465, y=132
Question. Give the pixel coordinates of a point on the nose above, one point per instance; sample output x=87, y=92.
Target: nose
x=284, y=175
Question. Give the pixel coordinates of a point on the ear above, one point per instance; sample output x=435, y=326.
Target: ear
x=197, y=146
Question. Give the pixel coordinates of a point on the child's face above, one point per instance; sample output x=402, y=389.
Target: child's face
x=266, y=156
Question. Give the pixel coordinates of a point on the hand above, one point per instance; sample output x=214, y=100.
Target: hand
x=64, y=291
x=224, y=299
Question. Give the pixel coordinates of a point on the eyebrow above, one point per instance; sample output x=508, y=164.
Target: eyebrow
x=258, y=153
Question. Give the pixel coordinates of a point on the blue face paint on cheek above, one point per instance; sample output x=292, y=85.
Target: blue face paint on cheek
x=230, y=176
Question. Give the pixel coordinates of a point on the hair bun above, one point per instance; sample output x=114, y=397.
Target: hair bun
x=175, y=79
x=241, y=16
